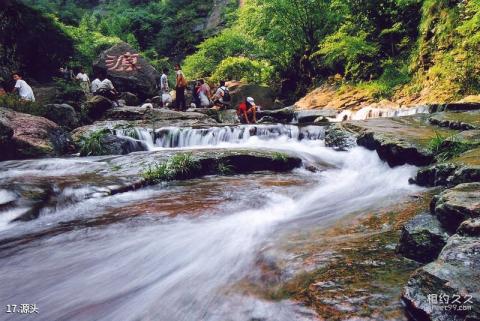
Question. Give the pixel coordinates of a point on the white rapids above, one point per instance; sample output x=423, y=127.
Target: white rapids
x=184, y=268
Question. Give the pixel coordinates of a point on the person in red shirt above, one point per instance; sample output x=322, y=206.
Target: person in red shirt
x=247, y=111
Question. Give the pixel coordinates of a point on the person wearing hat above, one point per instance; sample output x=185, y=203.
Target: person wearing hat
x=247, y=111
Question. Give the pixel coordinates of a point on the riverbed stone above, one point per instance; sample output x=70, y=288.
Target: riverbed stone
x=470, y=227
x=422, y=238
x=95, y=107
x=457, y=120
x=114, y=145
x=338, y=138
x=311, y=116
x=160, y=117
x=464, y=168
x=62, y=114
x=398, y=141
x=456, y=274
x=284, y=115
x=32, y=137
x=455, y=205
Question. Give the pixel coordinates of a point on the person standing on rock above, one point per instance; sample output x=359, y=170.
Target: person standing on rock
x=22, y=88
x=180, y=85
x=164, y=88
x=203, y=93
x=82, y=77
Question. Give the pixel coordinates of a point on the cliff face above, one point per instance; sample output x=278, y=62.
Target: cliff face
x=40, y=48
x=446, y=64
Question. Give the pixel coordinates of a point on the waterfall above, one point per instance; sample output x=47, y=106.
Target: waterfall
x=182, y=137
x=372, y=112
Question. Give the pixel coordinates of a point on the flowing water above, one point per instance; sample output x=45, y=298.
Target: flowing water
x=177, y=251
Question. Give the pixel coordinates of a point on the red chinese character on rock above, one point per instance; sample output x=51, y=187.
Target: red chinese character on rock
x=125, y=62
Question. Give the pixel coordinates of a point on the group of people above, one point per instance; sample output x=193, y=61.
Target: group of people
x=202, y=97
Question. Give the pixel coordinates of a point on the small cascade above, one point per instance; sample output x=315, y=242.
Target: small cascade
x=373, y=112
x=183, y=137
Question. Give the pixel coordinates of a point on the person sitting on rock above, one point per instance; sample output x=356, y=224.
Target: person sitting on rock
x=247, y=111
x=221, y=99
x=203, y=93
x=22, y=88
x=82, y=77
x=95, y=84
x=106, y=89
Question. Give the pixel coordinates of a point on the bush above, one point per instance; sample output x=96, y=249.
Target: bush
x=214, y=50
x=13, y=102
x=179, y=166
x=245, y=69
x=92, y=145
x=352, y=54
x=68, y=91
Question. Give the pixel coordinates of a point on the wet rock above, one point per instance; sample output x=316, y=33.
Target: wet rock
x=32, y=137
x=114, y=145
x=437, y=175
x=454, y=275
x=266, y=120
x=422, y=238
x=469, y=227
x=399, y=141
x=458, y=106
x=141, y=82
x=96, y=107
x=160, y=117
x=457, y=120
x=310, y=116
x=284, y=115
x=338, y=138
x=62, y=114
x=130, y=99
x=455, y=205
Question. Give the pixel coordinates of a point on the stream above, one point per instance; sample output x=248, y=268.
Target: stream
x=179, y=250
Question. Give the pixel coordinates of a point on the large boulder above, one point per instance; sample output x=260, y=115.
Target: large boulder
x=264, y=96
x=141, y=81
x=431, y=290
x=114, y=145
x=455, y=205
x=96, y=107
x=422, y=238
x=33, y=136
x=62, y=114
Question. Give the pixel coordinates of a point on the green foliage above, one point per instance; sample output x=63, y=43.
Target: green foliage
x=13, y=102
x=351, y=51
x=214, y=50
x=278, y=156
x=435, y=144
x=92, y=145
x=68, y=90
x=244, y=69
x=224, y=168
x=445, y=148
x=179, y=166
x=30, y=42
x=88, y=42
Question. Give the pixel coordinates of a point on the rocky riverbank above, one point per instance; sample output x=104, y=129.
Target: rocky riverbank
x=446, y=237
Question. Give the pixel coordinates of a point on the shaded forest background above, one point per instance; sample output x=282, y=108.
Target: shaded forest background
x=387, y=48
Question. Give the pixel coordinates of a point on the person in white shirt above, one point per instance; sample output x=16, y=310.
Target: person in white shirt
x=106, y=88
x=84, y=81
x=95, y=85
x=22, y=88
